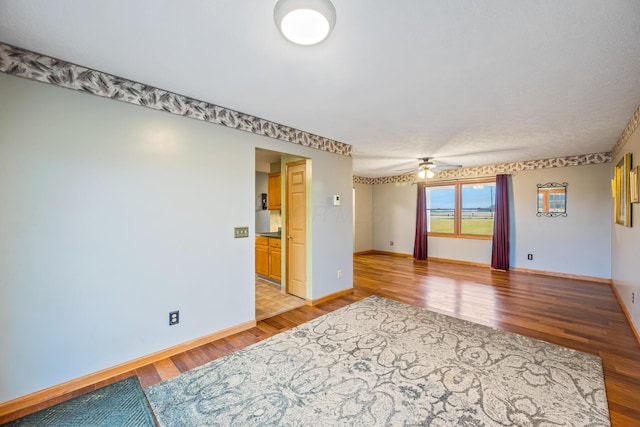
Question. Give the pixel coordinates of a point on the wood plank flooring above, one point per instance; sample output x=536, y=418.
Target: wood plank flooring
x=577, y=314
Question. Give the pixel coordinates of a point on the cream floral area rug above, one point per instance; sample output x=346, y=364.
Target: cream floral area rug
x=379, y=362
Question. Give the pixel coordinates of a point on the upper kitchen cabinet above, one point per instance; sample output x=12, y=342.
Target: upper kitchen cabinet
x=274, y=197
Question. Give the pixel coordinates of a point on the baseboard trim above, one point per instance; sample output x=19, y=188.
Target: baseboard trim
x=41, y=396
x=460, y=262
x=329, y=297
x=374, y=251
x=401, y=255
x=564, y=275
x=626, y=312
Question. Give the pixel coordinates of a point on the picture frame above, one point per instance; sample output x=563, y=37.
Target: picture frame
x=552, y=199
x=622, y=199
x=634, y=185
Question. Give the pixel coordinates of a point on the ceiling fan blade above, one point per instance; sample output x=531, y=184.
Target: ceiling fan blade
x=444, y=166
x=427, y=164
x=475, y=153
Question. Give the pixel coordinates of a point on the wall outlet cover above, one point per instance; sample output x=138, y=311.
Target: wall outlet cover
x=174, y=317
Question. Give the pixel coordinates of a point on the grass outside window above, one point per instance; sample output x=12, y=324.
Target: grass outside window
x=461, y=209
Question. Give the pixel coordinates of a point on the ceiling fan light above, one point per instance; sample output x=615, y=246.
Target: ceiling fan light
x=305, y=22
x=430, y=173
x=422, y=173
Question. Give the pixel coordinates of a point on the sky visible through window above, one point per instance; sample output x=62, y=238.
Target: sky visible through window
x=478, y=196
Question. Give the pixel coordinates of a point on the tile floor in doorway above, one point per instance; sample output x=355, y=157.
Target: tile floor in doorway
x=270, y=300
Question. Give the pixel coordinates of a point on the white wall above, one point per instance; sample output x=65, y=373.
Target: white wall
x=332, y=225
x=394, y=217
x=113, y=215
x=577, y=244
x=363, y=220
x=476, y=251
x=625, y=244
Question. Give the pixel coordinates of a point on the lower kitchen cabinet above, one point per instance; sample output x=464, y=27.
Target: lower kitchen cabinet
x=268, y=257
x=262, y=256
x=275, y=259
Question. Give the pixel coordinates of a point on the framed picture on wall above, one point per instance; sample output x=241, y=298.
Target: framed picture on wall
x=634, y=185
x=622, y=200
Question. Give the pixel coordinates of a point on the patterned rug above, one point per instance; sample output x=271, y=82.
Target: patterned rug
x=379, y=362
x=121, y=404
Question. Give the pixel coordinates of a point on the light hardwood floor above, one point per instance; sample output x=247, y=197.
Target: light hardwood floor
x=577, y=314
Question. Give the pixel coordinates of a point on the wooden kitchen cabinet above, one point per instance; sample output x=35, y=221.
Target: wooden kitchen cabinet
x=268, y=257
x=274, y=194
x=275, y=259
x=262, y=256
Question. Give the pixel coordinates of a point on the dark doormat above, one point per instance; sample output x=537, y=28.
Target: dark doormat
x=119, y=404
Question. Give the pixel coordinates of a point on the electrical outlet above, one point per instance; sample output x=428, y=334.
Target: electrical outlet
x=174, y=317
x=339, y=274
x=391, y=243
x=529, y=257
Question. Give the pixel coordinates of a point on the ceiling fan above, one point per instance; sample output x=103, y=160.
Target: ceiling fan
x=427, y=168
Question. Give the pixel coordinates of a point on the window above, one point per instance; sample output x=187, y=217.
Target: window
x=461, y=209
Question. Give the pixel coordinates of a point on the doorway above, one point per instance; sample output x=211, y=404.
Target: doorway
x=271, y=292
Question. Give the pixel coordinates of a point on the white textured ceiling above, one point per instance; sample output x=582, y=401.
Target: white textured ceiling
x=471, y=82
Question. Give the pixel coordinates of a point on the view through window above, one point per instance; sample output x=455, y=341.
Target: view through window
x=463, y=208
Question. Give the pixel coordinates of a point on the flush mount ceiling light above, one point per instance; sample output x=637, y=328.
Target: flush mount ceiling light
x=305, y=22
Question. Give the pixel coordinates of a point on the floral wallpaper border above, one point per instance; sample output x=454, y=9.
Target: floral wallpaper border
x=23, y=63
x=558, y=162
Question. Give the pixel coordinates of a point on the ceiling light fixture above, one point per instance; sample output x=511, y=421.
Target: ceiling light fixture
x=426, y=173
x=305, y=22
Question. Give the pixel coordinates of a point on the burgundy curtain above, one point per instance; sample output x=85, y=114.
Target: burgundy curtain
x=500, y=251
x=420, y=242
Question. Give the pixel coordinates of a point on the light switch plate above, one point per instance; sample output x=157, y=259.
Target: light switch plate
x=239, y=232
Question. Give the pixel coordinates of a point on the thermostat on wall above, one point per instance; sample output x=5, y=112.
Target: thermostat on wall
x=336, y=200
